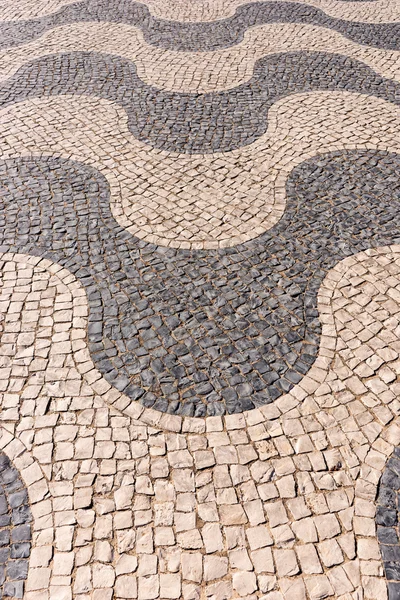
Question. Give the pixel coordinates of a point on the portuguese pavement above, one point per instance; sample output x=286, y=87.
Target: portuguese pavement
x=199, y=300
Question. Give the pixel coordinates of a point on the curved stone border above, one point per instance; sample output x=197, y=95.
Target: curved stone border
x=254, y=421
x=35, y=516
x=151, y=342
x=198, y=37
x=344, y=473
x=22, y=10
x=381, y=11
x=188, y=72
x=378, y=11
x=78, y=128
x=208, y=123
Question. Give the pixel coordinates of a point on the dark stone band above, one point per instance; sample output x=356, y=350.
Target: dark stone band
x=198, y=37
x=387, y=520
x=195, y=123
x=15, y=531
x=203, y=332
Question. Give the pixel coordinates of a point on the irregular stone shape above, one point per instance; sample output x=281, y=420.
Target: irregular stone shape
x=195, y=123
x=203, y=332
x=199, y=36
x=15, y=532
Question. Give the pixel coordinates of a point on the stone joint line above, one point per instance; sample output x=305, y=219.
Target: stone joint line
x=199, y=300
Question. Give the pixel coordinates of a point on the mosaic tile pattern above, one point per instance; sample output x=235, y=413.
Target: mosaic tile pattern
x=195, y=123
x=199, y=300
x=196, y=37
x=296, y=481
x=379, y=11
x=211, y=71
x=246, y=336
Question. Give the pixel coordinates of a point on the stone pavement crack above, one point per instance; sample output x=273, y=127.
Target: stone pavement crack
x=203, y=332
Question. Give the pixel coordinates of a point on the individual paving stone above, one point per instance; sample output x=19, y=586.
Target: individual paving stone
x=179, y=330
x=195, y=37
x=15, y=531
x=195, y=123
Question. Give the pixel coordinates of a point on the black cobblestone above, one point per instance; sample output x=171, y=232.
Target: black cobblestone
x=13, y=556
x=201, y=36
x=195, y=123
x=204, y=332
x=387, y=520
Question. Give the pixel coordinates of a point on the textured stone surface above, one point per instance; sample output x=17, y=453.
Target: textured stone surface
x=15, y=530
x=192, y=37
x=140, y=338
x=195, y=123
x=198, y=201
x=388, y=523
x=302, y=472
x=379, y=11
x=199, y=349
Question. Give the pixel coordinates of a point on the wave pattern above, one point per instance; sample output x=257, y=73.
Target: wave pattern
x=355, y=299
x=193, y=72
x=195, y=123
x=198, y=37
x=198, y=201
x=376, y=11
x=379, y=11
x=199, y=299
x=248, y=333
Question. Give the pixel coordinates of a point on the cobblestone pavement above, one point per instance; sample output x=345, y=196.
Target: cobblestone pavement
x=199, y=300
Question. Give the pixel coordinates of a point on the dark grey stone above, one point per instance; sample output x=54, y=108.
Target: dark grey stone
x=20, y=550
x=14, y=589
x=195, y=123
x=243, y=320
x=15, y=510
x=386, y=517
x=17, y=569
x=22, y=533
x=392, y=571
x=388, y=535
x=394, y=591
x=200, y=36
